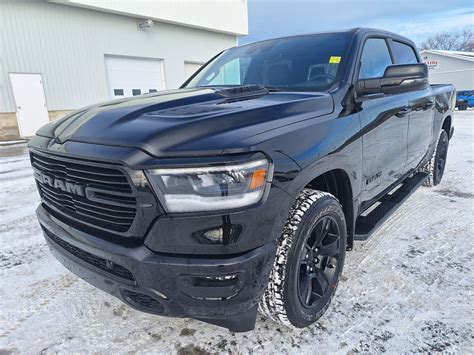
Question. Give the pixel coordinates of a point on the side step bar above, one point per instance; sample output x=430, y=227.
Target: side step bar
x=368, y=223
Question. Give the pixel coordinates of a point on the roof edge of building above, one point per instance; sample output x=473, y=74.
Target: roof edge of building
x=467, y=57
x=242, y=29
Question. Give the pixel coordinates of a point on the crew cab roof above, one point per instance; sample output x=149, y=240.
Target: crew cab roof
x=360, y=31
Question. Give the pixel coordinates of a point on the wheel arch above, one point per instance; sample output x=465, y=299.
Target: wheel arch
x=447, y=124
x=337, y=183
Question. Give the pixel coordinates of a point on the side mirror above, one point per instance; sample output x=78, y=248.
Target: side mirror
x=396, y=79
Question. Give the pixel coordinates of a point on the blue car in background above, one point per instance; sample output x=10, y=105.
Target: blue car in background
x=465, y=99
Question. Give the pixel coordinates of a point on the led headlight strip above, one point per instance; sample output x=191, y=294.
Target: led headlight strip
x=210, y=188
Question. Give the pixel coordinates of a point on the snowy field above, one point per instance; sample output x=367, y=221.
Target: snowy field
x=409, y=288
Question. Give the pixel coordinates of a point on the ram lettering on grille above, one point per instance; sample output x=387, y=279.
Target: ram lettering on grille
x=63, y=185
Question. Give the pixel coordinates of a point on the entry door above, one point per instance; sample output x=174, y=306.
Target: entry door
x=133, y=76
x=384, y=143
x=31, y=110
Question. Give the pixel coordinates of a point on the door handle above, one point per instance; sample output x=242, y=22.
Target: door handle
x=403, y=111
x=429, y=104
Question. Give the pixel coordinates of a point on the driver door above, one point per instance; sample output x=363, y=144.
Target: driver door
x=384, y=124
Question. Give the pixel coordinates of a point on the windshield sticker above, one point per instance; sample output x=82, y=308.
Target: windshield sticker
x=334, y=60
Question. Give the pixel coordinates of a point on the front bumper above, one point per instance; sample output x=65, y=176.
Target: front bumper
x=220, y=290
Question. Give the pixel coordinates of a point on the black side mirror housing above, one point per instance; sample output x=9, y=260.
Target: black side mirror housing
x=396, y=79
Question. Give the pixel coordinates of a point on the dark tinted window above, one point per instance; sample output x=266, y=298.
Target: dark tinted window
x=403, y=53
x=375, y=58
x=152, y=90
x=310, y=62
x=118, y=92
x=136, y=92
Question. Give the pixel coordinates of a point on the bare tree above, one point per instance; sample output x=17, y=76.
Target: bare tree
x=451, y=41
x=466, y=42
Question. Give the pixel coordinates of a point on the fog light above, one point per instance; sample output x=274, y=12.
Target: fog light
x=214, y=235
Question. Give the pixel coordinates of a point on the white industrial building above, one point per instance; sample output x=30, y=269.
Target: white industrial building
x=450, y=67
x=57, y=56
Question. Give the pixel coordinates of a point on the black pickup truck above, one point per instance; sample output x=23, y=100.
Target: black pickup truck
x=242, y=190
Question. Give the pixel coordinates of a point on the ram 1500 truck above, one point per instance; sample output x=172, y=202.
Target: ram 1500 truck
x=242, y=190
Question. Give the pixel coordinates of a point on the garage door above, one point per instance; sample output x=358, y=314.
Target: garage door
x=190, y=69
x=133, y=76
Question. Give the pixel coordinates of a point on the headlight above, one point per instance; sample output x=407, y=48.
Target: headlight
x=210, y=188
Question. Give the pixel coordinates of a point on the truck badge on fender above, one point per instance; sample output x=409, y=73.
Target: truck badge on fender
x=373, y=178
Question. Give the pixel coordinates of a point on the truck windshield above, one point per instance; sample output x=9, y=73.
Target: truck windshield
x=302, y=63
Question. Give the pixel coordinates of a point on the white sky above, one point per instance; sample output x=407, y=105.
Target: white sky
x=415, y=19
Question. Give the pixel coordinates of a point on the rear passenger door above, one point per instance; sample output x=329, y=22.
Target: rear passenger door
x=384, y=123
x=421, y=106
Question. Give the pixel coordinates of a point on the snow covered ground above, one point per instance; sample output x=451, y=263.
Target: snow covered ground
x=409, y=288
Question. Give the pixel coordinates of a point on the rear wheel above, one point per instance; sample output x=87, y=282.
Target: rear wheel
x=436, y=165
x=463, y=106
x=309, y=261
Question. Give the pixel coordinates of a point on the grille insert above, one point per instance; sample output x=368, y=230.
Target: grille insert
x=110, y=204
x=103, y=264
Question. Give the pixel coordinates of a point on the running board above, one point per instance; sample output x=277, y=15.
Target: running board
x=368, y=223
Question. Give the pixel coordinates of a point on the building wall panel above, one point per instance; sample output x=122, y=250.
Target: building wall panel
x=67, y=45
x=449, y=70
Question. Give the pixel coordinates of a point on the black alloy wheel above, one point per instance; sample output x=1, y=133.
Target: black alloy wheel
x=319, y=258
x=441, y=154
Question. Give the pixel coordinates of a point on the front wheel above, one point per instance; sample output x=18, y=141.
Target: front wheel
x=309, y=261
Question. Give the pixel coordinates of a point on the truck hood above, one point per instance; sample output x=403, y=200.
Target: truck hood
x=186, y=122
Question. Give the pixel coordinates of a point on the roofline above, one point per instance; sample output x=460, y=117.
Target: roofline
x=140, y=16
x=299, y=35
x=354, y=31
x=456, y=56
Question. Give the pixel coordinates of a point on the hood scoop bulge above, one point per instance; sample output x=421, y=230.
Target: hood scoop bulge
x=194, y=111
x=243, y=92
x=227, y=104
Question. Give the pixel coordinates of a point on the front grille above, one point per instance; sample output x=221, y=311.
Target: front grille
x=140, y=300
x=109, y=202
x=103, y=264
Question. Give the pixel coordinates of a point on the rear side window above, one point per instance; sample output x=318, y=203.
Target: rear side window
x=403, y=53
x=375, y=58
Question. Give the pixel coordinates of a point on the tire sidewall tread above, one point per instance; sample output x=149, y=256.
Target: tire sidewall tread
x=431, y=166
x=276, y=301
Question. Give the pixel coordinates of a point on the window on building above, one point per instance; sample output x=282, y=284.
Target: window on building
x=118, y=92
x=375, y=59
x=403, y=53
x=136, y=92
x=152, y=90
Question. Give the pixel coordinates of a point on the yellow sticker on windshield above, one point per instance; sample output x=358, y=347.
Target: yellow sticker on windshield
x=334, y=60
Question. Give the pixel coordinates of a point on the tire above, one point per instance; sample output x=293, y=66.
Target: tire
x=464, y=106
x=309, y=261
x=436, y=165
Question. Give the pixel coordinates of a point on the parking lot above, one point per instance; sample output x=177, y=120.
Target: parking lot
x=409, y=288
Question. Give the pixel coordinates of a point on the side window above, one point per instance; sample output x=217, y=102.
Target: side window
x=403, y=53
x=375, y=58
